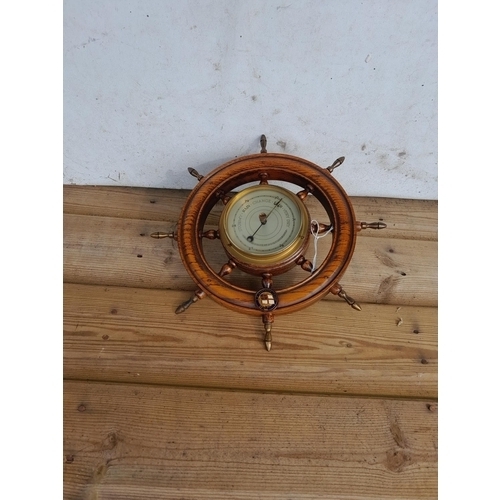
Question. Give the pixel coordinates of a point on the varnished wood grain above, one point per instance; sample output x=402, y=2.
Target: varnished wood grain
x=133, y=335
x=406, y=219
x=119, y=251
x=134, y=442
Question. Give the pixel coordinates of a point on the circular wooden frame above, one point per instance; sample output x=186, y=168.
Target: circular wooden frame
x=254, y=168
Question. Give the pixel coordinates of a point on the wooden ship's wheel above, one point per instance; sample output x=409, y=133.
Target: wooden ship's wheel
x=265, y=230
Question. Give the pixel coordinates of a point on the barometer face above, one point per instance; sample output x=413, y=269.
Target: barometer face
x=263, y=224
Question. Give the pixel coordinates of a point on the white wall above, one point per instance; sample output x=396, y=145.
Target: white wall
x=152, y=87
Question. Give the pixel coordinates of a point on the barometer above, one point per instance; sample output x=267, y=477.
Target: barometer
x=264, y=226
x=264, y=231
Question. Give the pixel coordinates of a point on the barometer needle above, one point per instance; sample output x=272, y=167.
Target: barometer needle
x=250, y=238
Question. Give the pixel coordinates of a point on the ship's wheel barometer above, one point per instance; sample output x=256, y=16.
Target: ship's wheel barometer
x=264, y=232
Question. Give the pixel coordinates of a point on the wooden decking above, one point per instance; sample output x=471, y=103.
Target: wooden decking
x=192, y=406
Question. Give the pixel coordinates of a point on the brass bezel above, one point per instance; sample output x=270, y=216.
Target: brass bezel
x=272, y=258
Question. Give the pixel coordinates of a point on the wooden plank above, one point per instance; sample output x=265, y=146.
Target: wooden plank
x=127, y=334
x=119, y=252
x=160, y=205
x=406, y=219
x=128, y=441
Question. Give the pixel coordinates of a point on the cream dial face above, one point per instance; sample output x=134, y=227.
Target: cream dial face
x=262, y=221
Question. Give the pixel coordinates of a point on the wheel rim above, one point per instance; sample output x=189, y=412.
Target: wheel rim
x=278, y=167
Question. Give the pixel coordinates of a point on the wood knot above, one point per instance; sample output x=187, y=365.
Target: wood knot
x=169, y=257
x=110, y=441
x=397, y=459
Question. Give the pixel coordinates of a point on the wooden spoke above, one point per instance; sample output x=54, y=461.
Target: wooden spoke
x=304, y=264
x=320, y=228
x=227, y=268
x=211, y=234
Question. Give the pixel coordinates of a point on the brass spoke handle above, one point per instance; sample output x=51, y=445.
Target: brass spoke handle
x=263, y=144
x=268, y=320
x=336, y=164
x=338, y=290
x=371, y=225
x=162, y=234
x=195, y=173
x=198, y=295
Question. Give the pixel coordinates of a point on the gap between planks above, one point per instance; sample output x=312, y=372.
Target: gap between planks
x=118, y=251
x=124, y=334
x=431, y=401
x=406, y=218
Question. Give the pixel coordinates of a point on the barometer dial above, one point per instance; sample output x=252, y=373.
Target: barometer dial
x=263, y=224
